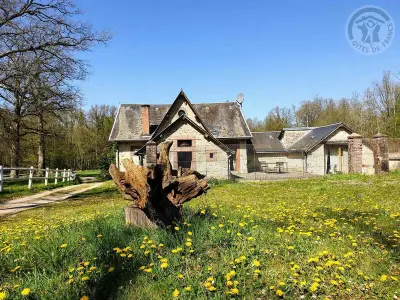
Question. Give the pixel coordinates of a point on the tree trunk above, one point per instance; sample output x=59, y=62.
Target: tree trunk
x=156, y=192
x=16, y=145
x=41, y=147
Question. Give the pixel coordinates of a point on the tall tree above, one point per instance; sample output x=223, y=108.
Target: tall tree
x=38, y=45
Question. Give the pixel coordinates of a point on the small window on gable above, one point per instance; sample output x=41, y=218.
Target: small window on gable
x=153, y=128
x=184, y=143
x=211, y=155
x=181, y=113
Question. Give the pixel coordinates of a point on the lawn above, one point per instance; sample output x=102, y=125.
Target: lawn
x=89, y=173
x=326, y=238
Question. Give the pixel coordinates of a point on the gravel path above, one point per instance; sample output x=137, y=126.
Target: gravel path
x=20, y=204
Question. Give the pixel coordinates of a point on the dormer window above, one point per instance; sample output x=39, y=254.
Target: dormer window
x=153, y=128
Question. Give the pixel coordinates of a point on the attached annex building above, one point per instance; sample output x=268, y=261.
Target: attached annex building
x=214, y=139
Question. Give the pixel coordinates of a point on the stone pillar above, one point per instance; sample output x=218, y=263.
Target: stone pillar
x=355, y=153
x=151, y=154
x=381, y=153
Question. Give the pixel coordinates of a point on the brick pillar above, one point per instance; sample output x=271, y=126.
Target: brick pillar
x=355, y=153
x=151, y=154
x=145, y=116
x=381, y=153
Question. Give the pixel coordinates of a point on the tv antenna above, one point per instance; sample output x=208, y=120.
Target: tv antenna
x=240, y=99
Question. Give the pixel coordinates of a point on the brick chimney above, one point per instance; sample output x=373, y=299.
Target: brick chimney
x=145, y=115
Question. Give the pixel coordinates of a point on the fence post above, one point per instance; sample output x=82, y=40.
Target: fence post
x=69, y=175
x=56, y=177
x=46, y=177
x=1, y=179
x=30, y=178
x=63, y=176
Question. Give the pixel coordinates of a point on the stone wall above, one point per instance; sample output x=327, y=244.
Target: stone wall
x=215, y=166
x=125, y=150
x=289, y=137
x=316, y=160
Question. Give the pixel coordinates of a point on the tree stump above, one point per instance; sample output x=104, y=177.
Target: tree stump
x=156, y=195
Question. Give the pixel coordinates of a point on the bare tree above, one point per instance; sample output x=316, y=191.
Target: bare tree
x=38, y=43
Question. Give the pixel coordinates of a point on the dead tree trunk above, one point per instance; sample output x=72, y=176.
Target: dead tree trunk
x=157, y=196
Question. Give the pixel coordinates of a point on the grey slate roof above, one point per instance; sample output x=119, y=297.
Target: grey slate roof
x=270, y=141
x=314, y=137
x=224, y=120
x=267, y=142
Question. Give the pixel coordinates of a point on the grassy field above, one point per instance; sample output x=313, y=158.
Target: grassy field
x=89, y=173
x=326, y=238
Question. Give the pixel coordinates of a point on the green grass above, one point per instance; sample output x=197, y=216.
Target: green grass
x=12, y=190
x=334, y=237
x=89, y=173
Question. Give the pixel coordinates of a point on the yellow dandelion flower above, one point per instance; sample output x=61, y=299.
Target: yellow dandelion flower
x=176, y=228
x=85, y=278
x=279, y=293
x=212, y=288
x=86, y=263
x=175, y=293
x=188, y=244
x=234, y=291
x=164, y=265
x=180, y=276
x=188, y=288
x=314, y=287
x=3, y=295
x=25, y=292
x=383, y=278
x=256, y=263
x=99, y=236
x=63, y=245
x=190, y=233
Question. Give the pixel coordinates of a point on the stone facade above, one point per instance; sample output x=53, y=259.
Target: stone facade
x=291, y=136
x=207, y=157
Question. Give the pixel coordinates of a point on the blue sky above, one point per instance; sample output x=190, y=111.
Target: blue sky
x=275, y=52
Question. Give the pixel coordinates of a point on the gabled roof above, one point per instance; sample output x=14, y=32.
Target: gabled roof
x=316, y=135
x=164, y=122
x=270, y=141
x=267, y=142
x=185, y=118
x=223, y=120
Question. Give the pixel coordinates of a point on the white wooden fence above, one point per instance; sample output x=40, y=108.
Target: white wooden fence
x=29, y=174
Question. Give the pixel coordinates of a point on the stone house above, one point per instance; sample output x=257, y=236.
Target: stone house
x=211, y=138
x=214, y=139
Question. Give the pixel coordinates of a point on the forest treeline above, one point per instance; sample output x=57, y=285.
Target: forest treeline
x=375, y=110
x=77, y=140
